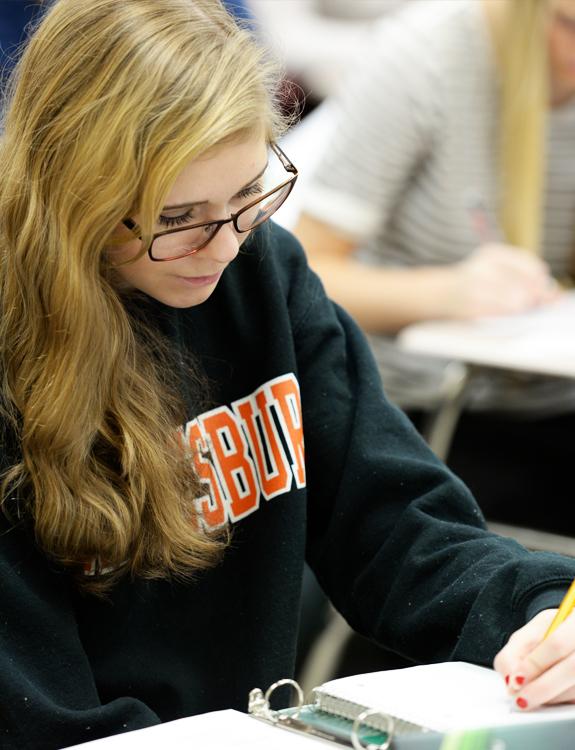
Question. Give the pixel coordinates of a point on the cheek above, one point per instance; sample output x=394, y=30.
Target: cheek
x=561, y=48
x=137, y=273
x=553, y=43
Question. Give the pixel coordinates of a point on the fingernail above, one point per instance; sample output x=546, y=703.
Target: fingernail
x=521, y=702
x=507, y=679
x=519, y=679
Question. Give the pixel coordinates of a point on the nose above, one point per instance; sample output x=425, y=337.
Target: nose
x=224, y=247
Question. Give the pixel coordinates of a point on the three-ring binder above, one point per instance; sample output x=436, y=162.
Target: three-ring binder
x=309, y=719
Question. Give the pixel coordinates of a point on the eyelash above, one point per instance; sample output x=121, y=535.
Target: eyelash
x=176, y=221
x=254, y=189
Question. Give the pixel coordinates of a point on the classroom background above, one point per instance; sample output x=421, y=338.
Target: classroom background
x=321, y=43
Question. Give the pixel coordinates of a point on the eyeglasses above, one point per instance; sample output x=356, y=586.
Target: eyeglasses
x=181, y=241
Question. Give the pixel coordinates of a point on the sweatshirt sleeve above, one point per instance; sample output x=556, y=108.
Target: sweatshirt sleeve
x=48, y=697
x=396, y=540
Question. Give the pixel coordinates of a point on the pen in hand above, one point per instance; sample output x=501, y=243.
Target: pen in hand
x=487, y=233
x=480, y=219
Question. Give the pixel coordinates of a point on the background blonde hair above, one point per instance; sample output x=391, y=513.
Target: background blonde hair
x=520, y=33
x=110, y=100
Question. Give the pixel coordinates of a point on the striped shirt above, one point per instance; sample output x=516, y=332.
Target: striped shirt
x=415, y=140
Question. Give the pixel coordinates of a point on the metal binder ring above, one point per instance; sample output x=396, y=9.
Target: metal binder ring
x=360, y=719
x=280, y=683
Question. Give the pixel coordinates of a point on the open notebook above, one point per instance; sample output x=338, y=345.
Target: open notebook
x=458, y=704
x=434, y=697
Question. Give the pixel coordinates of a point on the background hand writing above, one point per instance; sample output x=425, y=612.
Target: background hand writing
x=499, y=279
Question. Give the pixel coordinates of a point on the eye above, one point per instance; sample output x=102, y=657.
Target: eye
x=252, y=190
x=175, y=221
x=566, y=21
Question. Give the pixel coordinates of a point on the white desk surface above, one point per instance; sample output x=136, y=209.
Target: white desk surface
x=541, y=341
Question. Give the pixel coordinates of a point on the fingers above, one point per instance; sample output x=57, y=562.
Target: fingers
x=501, y=280
x=528, y=276
x=517, y=262
x=515, y=258
x=555, y=685
x=521, y=643
x=539, y=670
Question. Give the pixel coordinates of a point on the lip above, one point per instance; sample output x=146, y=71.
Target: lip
x=198, y=281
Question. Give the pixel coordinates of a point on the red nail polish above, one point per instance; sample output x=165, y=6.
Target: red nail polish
x=520, y=679
x=507, y=679
x=521, y=702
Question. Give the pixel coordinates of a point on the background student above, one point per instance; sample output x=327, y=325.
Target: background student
x=163, y=354
x=447, y=190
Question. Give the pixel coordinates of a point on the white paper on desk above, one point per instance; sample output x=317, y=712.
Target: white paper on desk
x=229, y=729
x=541, y=341
x=556, y=319
x=442, y=697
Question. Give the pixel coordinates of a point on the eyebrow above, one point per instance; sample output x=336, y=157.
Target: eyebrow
x=189, y=204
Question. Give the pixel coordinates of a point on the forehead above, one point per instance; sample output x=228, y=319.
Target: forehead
x=227, y=167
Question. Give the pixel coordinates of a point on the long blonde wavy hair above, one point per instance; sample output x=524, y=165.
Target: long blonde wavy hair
x=520, y=35
x=110, y=100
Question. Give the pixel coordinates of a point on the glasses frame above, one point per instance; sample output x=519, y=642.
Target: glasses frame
x=287, y=164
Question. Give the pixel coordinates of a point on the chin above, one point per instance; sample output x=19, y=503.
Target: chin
x=182, y=301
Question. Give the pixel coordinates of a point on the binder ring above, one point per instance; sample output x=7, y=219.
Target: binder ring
x=280, y=683
x=360, y=719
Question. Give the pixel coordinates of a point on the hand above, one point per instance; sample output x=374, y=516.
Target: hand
x=540, y=670
x=499, y=279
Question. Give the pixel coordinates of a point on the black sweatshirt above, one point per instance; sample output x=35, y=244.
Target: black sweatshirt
x=395, y=539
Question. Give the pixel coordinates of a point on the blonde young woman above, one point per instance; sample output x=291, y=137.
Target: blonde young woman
x=447, y=191
x=162, y=355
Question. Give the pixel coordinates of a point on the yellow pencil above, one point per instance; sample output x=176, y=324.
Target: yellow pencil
x=567, y=606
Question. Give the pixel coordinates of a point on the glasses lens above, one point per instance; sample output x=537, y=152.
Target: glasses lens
x=183, y=242
x=262, y=210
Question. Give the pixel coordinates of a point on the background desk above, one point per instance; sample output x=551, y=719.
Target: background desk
x=541, y=342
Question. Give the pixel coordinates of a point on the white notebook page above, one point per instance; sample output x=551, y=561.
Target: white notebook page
x=441, y=697
x=227, y=729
